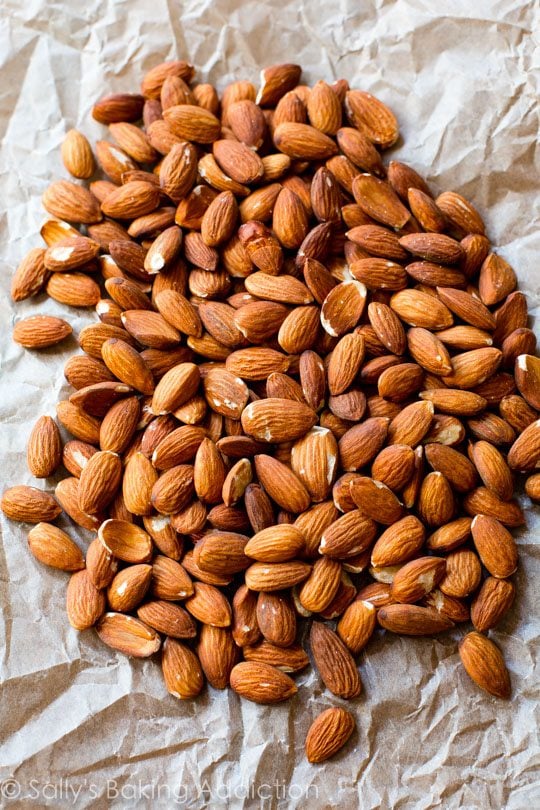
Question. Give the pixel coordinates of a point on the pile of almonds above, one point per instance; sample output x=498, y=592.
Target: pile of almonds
x=306, y=395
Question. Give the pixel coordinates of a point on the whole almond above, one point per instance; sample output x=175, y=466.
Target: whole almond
x=491, y=603
x=334, y=662
x=495, y=545
x=44, y=448
x=29, y=505
x=85, y=605
x=484, y=664
x=53, y=547
x=328, y=734
x=40, y=331
x=261, y=683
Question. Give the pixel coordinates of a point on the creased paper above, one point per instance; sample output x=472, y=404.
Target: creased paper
x=82, y=726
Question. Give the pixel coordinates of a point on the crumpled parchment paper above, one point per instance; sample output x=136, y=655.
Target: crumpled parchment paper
x=82, y=726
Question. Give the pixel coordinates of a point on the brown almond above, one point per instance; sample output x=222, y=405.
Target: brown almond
x=485, y=665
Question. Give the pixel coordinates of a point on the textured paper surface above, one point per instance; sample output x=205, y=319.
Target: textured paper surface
x=82, y=726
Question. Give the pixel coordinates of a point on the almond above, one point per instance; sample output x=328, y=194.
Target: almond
x=44, y=449
x=276, y=618
x=359, y=445
x=314, y=460
x=417, y=578
x=303, y=141
x=484, y=664
x=30, y=275
x=334, y=662
x=53, y=547
x=167, y=618
x=493, y=469
x=491, y=603
x=413, y=620
x=495, y=545
x=238, y=161
x=277, y=420
x=129, y=587
x=348, y=536
x=376, y=500
x=74, y=203
x=99, y=481
x=170, y=580
x=225, y=393
x=29, y=505
x=126, y=541
x=276, y=576
x=399, y=542
x=483, y=501
x=357, y=625
x=435, y=247
x=463, y=573
x=275, y=544
x=417, y=308
x=118, y=107
x=85, y=605
x=342, y=308
x=527, y=373
x=378, y=200
x=320, y=588
x=328, y=734
x=497, y=280
x=281, y=484
x=287, y=659
x=128, y=635
x=40, y=331
x=209, y=605
x=261, y=683
x=182, y=671
x=217, y=654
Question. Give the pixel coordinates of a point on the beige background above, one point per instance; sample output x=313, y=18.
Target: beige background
x=462, y=78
